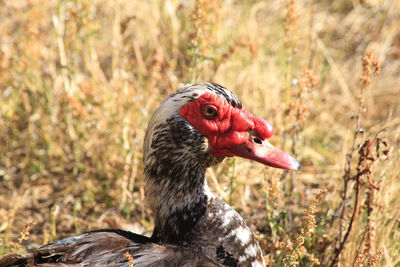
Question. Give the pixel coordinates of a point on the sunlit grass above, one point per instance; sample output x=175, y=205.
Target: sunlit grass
x=80, y=79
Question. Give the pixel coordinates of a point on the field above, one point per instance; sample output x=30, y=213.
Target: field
x=79, y=80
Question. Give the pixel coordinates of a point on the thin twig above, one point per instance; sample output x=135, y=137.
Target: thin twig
x=370, y=66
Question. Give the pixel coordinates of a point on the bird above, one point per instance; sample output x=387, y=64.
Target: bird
x=197, y=127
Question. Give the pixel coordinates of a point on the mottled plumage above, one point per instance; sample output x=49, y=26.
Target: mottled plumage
x=193, y=226
x=107, y=248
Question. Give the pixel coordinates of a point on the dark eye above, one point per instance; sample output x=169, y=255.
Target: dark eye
x=210, y=112
x=257, y=140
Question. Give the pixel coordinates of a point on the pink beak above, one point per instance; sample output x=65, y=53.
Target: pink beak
x=262, y=151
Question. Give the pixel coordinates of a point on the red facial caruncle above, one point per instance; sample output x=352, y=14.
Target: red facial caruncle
x=232, y=131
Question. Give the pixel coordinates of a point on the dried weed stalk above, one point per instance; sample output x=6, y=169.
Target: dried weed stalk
x=369, y=152
x=290, y=22
x=200, y=37
x=370, y=66
x=24, y=234
x=129, y=258
x=272, y=189
x=298, y=107
x=295, y=250
x=297, y=111
x=272, y=195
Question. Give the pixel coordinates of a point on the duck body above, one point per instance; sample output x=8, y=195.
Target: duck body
x=108, y=248
x=195, y=128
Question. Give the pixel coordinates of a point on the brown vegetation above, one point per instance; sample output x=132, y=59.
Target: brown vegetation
x=80, y=79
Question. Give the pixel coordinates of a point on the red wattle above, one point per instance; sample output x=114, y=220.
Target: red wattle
x=230, y=128
x=263, y=128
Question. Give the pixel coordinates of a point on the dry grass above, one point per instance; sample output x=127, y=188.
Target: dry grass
x=79, y=80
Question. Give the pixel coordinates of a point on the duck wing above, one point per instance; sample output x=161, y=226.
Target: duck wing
x=107, y=248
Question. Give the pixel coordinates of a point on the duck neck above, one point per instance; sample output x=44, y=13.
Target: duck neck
x=177, y=204
x=176, y=158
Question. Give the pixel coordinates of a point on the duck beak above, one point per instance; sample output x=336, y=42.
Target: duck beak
x=262, y=151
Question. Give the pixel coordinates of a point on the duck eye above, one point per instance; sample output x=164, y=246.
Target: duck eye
x=210, y=112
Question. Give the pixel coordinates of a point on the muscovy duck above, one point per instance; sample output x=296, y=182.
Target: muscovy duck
x=195, y=128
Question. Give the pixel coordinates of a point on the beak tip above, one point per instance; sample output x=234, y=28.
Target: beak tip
x=295, y=165
x=298, y=167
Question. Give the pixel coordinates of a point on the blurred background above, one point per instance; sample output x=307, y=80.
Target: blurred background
x=79, y=81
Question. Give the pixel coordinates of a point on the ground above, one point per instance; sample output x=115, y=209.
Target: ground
x=80, y=79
